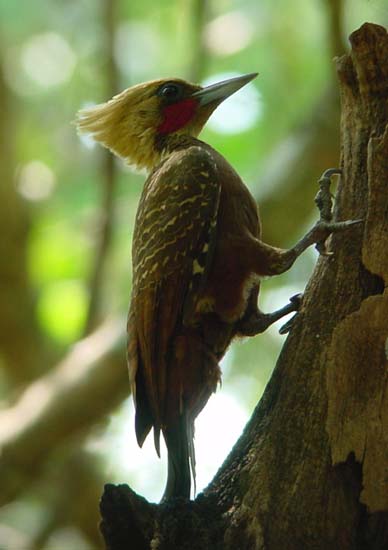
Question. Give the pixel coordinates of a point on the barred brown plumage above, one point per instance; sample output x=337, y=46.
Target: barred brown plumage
x=197, y=258
x=173, y=221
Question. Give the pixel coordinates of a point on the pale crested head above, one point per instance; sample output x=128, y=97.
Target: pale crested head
x=128, y=123
x=138, y=123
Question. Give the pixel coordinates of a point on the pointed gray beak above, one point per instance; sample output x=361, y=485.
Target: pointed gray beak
x=222, y=90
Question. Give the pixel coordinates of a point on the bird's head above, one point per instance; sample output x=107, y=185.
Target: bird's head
x=138, y=123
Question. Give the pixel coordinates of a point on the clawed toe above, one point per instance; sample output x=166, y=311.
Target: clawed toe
x=322, y=249
x=327, y=228
x=259, y=321
x=296, y=301
x=285, y=329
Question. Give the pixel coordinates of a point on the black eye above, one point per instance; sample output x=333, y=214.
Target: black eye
x=170, y=91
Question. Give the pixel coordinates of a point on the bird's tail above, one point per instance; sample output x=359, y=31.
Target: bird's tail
x=193, y=376
x=181, y=458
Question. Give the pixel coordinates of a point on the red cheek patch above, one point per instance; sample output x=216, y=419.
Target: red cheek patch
x=177, y=115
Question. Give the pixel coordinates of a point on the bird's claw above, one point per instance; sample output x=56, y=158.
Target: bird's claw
x=327, y=174
x=297, y=301
x=324, y=197
x=285, y=329
x=322, y=249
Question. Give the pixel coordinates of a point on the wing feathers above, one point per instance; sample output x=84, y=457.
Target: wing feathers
x=172, y=252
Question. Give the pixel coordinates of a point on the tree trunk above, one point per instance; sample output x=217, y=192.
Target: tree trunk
x=310, y=470
x=20, y=342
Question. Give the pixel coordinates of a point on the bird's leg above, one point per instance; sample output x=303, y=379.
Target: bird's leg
x=274, y=260
x=279, y=261
x=255, y=321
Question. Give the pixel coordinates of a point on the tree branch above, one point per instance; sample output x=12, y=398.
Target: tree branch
x=56, y=406
x=308, y=471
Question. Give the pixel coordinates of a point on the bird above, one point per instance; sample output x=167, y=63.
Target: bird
x=197, y=257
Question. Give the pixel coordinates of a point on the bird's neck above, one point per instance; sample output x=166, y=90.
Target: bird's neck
x=165, y=145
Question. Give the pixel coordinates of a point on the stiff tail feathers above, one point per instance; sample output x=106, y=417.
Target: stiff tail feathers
x=191, y=449
x=181, y=458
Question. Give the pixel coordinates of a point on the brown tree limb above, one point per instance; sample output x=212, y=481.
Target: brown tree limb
x=57, y=406
x=310, y=470
x=108, y=180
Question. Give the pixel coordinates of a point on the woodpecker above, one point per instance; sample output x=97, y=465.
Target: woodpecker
x=197, y=256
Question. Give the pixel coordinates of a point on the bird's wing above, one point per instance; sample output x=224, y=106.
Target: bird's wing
x=173, y=245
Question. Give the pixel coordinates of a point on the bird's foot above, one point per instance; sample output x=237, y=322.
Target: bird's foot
x=325, y=226
x=324, y=201
x=259, y=322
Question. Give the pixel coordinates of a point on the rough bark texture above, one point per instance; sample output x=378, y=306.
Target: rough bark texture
x=311, y=468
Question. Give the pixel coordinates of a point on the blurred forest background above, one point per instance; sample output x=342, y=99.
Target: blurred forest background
x=67, y=212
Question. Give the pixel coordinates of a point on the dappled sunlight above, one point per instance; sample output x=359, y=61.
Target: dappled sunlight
x=236, y=25
x=62, y=308
x=132, y=37
x=43, y=61
x=48, y=59
x=36, y=181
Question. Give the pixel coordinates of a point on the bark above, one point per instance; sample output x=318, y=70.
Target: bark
x=310, y=469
